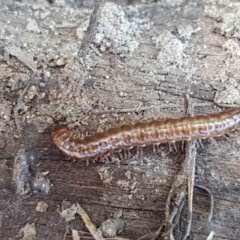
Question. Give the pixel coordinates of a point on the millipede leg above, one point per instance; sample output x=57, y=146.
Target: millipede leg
x=175, y=146
x=170, y=147
x=128, y=153
x=120, y=155
x=141, y=151
x=158, y=148
x=183, y=146
x=125, y=154
x=199, y=143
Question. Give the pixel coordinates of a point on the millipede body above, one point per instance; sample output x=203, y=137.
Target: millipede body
x=145, y=133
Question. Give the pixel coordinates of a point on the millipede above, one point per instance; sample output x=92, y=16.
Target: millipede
x=144, y=133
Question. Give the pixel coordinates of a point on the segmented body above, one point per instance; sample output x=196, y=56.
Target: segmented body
x=145, y=133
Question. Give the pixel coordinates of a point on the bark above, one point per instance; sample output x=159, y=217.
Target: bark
x=130, y=64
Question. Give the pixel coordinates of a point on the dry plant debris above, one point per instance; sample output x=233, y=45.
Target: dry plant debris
x=44, y=81
x=28, y=232
x=89, y=224
x=41, y=206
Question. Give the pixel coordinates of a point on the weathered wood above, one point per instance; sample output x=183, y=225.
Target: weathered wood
x=137, y=71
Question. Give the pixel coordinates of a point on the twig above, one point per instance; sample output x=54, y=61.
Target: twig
x=175, y=215
x=65, y=234
x=227, y=105
x=88, y=223
x=178, y=216
x=211, y=201
x=178, y=181
x=190, y=166
x=154, y=234
x=189, y=105
x=191, y=160
x=75, y=235
x=179, y=195
x=210, y=236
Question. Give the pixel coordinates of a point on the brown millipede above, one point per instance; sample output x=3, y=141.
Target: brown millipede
x=142, y=134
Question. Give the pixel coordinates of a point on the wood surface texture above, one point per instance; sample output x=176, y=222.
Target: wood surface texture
x=138, y=72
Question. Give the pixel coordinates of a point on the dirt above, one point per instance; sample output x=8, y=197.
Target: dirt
x=139, y=63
